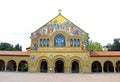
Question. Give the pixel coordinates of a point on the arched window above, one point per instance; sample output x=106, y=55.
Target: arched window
x=59, y=41
x=78, y=42
x=44, y=44
x=41, y=42
x=74, y=42
x=71, y=42
x=48, y=42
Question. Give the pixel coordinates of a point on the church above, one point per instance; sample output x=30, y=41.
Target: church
x=59, y=46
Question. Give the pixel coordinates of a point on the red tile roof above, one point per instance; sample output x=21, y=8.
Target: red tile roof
x=14, y=53
x=103, y=54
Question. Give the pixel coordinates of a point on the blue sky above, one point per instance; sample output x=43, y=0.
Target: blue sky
x=19, y=18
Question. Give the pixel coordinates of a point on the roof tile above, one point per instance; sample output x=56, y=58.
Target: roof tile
x=16, y=53
x=111, y=54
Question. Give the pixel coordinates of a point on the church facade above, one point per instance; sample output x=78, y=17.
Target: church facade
x=59, y=46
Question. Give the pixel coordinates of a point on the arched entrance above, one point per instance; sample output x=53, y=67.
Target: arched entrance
x=108, y=66
x=59, y=66
x=75, y=67
x=118, y=66
x=11, y=65
x=23, y=66
x=2, y=65
x=96, y=67
x=43, y=67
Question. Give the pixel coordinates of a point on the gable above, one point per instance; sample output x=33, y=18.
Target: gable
x=59, y=23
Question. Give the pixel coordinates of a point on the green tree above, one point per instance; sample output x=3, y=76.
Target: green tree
x=115, y=46
x=18, y=47
x=9, y=47
x=95, y=46
x=109, y=46
x=6, y=46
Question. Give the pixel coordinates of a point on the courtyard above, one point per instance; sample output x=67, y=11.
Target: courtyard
x=58, y=77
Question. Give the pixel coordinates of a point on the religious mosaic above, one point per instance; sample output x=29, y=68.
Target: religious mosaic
x=56, y=25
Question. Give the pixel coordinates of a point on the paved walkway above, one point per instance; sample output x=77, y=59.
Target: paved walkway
x=58, y=77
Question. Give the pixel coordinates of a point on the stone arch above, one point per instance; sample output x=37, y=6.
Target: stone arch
x=2, y=65
x=108, y=66
x=118, y=66
x=77, y=60
x=96, y=66
x=41, y=63
x=59, y=61
x=11, y=65
x=57, y=57
x=60, y=32
x=23, y=66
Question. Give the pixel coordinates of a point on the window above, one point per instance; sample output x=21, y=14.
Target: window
x=41, y=42
x=87, y=43
x=59, y=41
x=48, y=42
x=71, y=42
x=35, y=46
x=78, y=43
x=44, y=42
x=74, y=42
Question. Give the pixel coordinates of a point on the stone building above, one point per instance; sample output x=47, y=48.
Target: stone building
x=59, y=46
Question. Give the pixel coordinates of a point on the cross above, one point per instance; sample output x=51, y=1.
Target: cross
x=59, y=11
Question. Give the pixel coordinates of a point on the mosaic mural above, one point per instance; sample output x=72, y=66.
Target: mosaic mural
x=67, y=26
x=59, y=23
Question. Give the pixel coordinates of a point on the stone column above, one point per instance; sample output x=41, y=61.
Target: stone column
x=114, y=66
x=50, y=65
x=5, y=67
x=67, y=70
x=16, y=68
x=102, y=65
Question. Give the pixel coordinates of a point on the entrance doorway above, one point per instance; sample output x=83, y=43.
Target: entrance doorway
x=75, y=67
x=43, y=67
x=59, y=67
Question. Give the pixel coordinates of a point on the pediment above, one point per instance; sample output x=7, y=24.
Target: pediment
x=59, y=23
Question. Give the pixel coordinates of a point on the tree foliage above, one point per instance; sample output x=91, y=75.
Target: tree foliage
x=115, y=46
x=9, y=47
x=18, y=47
x=95, y=46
